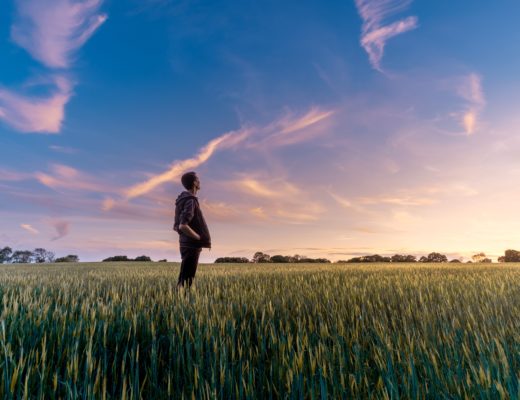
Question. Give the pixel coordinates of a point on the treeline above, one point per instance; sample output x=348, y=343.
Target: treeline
x=434, y=257
x=41, y=255
x=260, y=257
x=38, y=255
x=125, y=258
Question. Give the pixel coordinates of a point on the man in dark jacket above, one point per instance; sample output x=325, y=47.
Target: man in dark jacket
x=192, y=228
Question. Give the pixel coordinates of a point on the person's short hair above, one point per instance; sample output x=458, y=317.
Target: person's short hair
x=188, y=179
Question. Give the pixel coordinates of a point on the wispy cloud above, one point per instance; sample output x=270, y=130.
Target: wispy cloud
x=374, y=33
x=60, y=176
x=227, y=140
x=53, y=30
x=398, y=200
x=274, y=134
x=291, y=129
x=470, y=89
x=38, y=114
x=29, y=228
x=13, y=176
x=273, y=199
x=62, y=229
x=342, y=201
x=277, y=188
x=66, y=177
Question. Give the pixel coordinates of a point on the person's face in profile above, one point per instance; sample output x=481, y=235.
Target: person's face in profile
x=196, y=184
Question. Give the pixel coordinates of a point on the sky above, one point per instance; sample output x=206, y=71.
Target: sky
x=326, y=129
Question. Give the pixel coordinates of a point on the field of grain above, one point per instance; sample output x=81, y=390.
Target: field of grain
x=121, y=330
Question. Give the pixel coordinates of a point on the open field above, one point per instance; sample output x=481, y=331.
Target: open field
x=120, y=330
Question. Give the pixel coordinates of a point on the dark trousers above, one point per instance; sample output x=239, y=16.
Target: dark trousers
x=190, y=260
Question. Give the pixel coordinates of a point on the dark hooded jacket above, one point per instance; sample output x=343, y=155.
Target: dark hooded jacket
x=187, y=211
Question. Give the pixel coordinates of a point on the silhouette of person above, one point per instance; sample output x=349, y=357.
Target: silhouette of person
x=192, y=228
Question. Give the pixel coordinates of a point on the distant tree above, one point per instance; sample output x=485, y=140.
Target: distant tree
x=281, y=259
x=403, y=258
x=487, y=260
x=49, y=256
x=455, y=260
x=5, y=254
x=41, y=255
x=142, y=258
x=296, y=258
x=479, y=257
x=322, y=260
x=231, y=260
x=21, y=257
x=117, y=258
x=71, y=258
x=512, y=256
x=434, y=258
x=313, y=260
x=260, y=257
x=374, y=258
x=501, y=259
x=163, y=260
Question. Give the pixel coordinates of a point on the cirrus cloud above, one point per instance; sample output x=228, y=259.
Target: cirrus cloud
x=374, y=34
x=36, y=114
x=52, y=31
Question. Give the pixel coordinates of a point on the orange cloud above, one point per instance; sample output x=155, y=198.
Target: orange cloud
x=227, y=140
x=471, y=90
x=278, y=133
x=29, y=228
x=275, y=188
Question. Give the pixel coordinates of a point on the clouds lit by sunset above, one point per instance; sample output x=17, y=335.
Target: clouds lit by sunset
x=327, y=129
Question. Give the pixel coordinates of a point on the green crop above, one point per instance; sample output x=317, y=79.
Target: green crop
x=260, y=331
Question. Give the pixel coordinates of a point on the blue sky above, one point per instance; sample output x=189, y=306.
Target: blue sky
x=327, y=129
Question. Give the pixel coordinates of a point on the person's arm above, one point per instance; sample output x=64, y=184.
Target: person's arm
x=185, y=228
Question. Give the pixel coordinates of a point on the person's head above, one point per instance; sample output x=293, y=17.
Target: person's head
x=190, y=181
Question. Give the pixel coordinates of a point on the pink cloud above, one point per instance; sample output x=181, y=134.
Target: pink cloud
x=53, y=30
x=13, y=176
x=62, y=229
x=292, y=129
x=470, y=89
x=374, y=33
x=249, y=137
x=27, y=113
x=29, y=228
x=226, y=140
x=374, y=41
x=66, y=177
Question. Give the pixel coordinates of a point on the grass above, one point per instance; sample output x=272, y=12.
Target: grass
x=121, y=330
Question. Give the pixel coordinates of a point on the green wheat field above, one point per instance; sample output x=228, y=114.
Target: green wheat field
x=260, y=331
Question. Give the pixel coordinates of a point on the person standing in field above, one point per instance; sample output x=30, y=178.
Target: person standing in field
x=192, y=228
